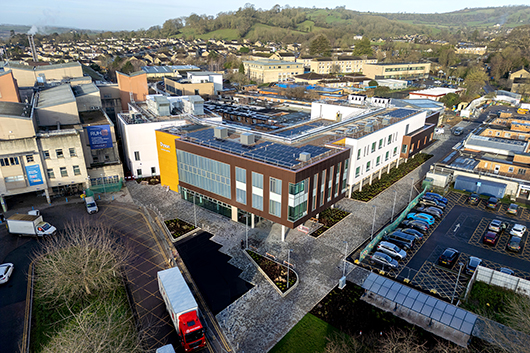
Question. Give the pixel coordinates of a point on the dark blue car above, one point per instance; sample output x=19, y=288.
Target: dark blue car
x=437, y=197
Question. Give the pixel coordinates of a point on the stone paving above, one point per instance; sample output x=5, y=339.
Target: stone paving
x=261, y=317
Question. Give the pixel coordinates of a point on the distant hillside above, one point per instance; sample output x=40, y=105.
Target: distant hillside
x=510, y=16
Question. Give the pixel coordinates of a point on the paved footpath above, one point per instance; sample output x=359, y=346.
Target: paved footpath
x=261, y=317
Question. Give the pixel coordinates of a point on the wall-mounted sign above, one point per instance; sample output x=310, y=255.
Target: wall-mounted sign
x=34, y=175
x=99, y=136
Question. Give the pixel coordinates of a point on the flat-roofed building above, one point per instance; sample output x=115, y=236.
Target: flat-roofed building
x=27, y=75
x=272, y=70
x=400, y=71
x=344, y=64
x=132, y=87
x=435, y=93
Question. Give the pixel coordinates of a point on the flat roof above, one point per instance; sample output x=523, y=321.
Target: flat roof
x=81, y=90
x=166, y=69
x=93, y=117
x=61, y=94
x=496, y=142
x=436, y=91
x=272, y=62
x=278, y=154
x=396, y=64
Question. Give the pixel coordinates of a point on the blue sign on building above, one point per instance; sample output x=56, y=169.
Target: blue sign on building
x=99, y=136
x=34, y=175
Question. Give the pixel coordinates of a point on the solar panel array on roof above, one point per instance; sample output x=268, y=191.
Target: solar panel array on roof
x=268, y=152
x=400, y=113
x=438, y=310
x=297, y=130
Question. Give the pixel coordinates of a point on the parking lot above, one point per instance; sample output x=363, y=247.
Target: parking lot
x=462, y=228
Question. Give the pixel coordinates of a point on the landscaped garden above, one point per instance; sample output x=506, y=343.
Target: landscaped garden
x=388, y=179
x=328, y=218
x=178, y=227
x=276, y=272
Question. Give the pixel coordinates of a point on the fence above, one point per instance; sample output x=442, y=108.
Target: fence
x=389, y=228
x=497, y=278
x=107, y=187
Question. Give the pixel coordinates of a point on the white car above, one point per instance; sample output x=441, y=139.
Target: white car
x=439, y=130
x=518, y=230
x=391, y=249
x=5, y=272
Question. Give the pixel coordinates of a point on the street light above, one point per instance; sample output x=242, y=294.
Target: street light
x=394, y=205
x=457, y=278
x=246, y=230
x=103, y=181
x=288, y=265
x=194, y=211
x=373, y=224
x=345, y=256
x=411, y=187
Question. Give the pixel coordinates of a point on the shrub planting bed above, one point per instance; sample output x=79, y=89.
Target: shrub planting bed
x=329, y=218
x=275, y=271
x=178, y=227
x=150, y=180
x=388, y=179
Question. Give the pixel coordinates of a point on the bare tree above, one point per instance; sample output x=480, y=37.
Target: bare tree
x=444, y=346
x=99, y=327
x=84, y=260
x=401, y=341
x=342, y=343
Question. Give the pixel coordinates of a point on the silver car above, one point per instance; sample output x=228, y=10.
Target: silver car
x=392, y=250
x=383, y=259
x=6, y=270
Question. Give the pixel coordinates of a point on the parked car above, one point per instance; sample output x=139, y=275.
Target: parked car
x=492, y=202
x=6, y=270
x=439, y=130
x=391, y=249
x=497, y=226
x=438, y=197
x=512, y=209
x=401, y=241
x=472, y=264
x=416, y=233
x=473, y=199
x=514, y=244
x=457, y=131
x=432, y=202
x=448, y=257
x=433, y=211
x=422, y=217
x=518, y=230
x=383, y=259
x=507, y=271
x=418, y=225
x=490, y=238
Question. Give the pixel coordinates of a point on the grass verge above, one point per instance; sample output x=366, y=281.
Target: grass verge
x=309, y=335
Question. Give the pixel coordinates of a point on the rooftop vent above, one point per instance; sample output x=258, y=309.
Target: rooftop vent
x=220, y=132
x=369, y=128
x=387, y=120
x=305, y=156
x=247, y=139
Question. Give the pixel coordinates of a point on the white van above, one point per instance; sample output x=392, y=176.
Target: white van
x=90, y=204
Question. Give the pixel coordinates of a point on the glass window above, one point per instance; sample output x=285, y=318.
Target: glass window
x=241, y=196
x=357, y=171
x=72, y=152
x=153, y=170
x=395, y=151
x=241, y=175
x=378, y=160
x=64, y=172
x=29, y=158
x=59, y=153
x=380, y=143
x=257, y=202
x=315, y=190
x=136, y=155
x=404, y=149
x=386, y=155
x=359, y=154
x=521, y=171
x=257, y=180
x=330, y=182
x=322, y=187
x=368, y=166
x=12, y=179
x=510, y=169
x=139, y=172
x=275, y=186
x=275, y=208
x=373, y=146
x=77, y=171
x=389, y=139
x=13, y=160
x=51, y=174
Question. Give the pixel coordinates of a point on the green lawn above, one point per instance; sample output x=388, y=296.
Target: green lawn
x=308, y=335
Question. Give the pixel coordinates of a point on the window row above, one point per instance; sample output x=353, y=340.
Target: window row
x=378, y=161
x=376, y=145
x=63, y=171
x=59, y=153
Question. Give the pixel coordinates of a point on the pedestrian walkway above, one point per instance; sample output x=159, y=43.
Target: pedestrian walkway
x=261, y=312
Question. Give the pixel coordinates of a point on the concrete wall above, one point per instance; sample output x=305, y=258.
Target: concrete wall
x=511, y=186
x=88, y=101
x=329, y=111
x=19, y=148
x=15, y=128
x=500, y=279
x=137, y=85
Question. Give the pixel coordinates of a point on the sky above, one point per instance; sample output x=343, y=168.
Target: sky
x=135, y=14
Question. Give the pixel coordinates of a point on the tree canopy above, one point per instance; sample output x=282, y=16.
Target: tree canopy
x=320, y=46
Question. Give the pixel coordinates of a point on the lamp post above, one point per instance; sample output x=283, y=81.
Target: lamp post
x=394, y=205
x=411, y=187
x=103, y=181
x=288, y=265
x=345, y=256
x=246, y=231
x=373, y=224
x=194, y=211
x=457, y=279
